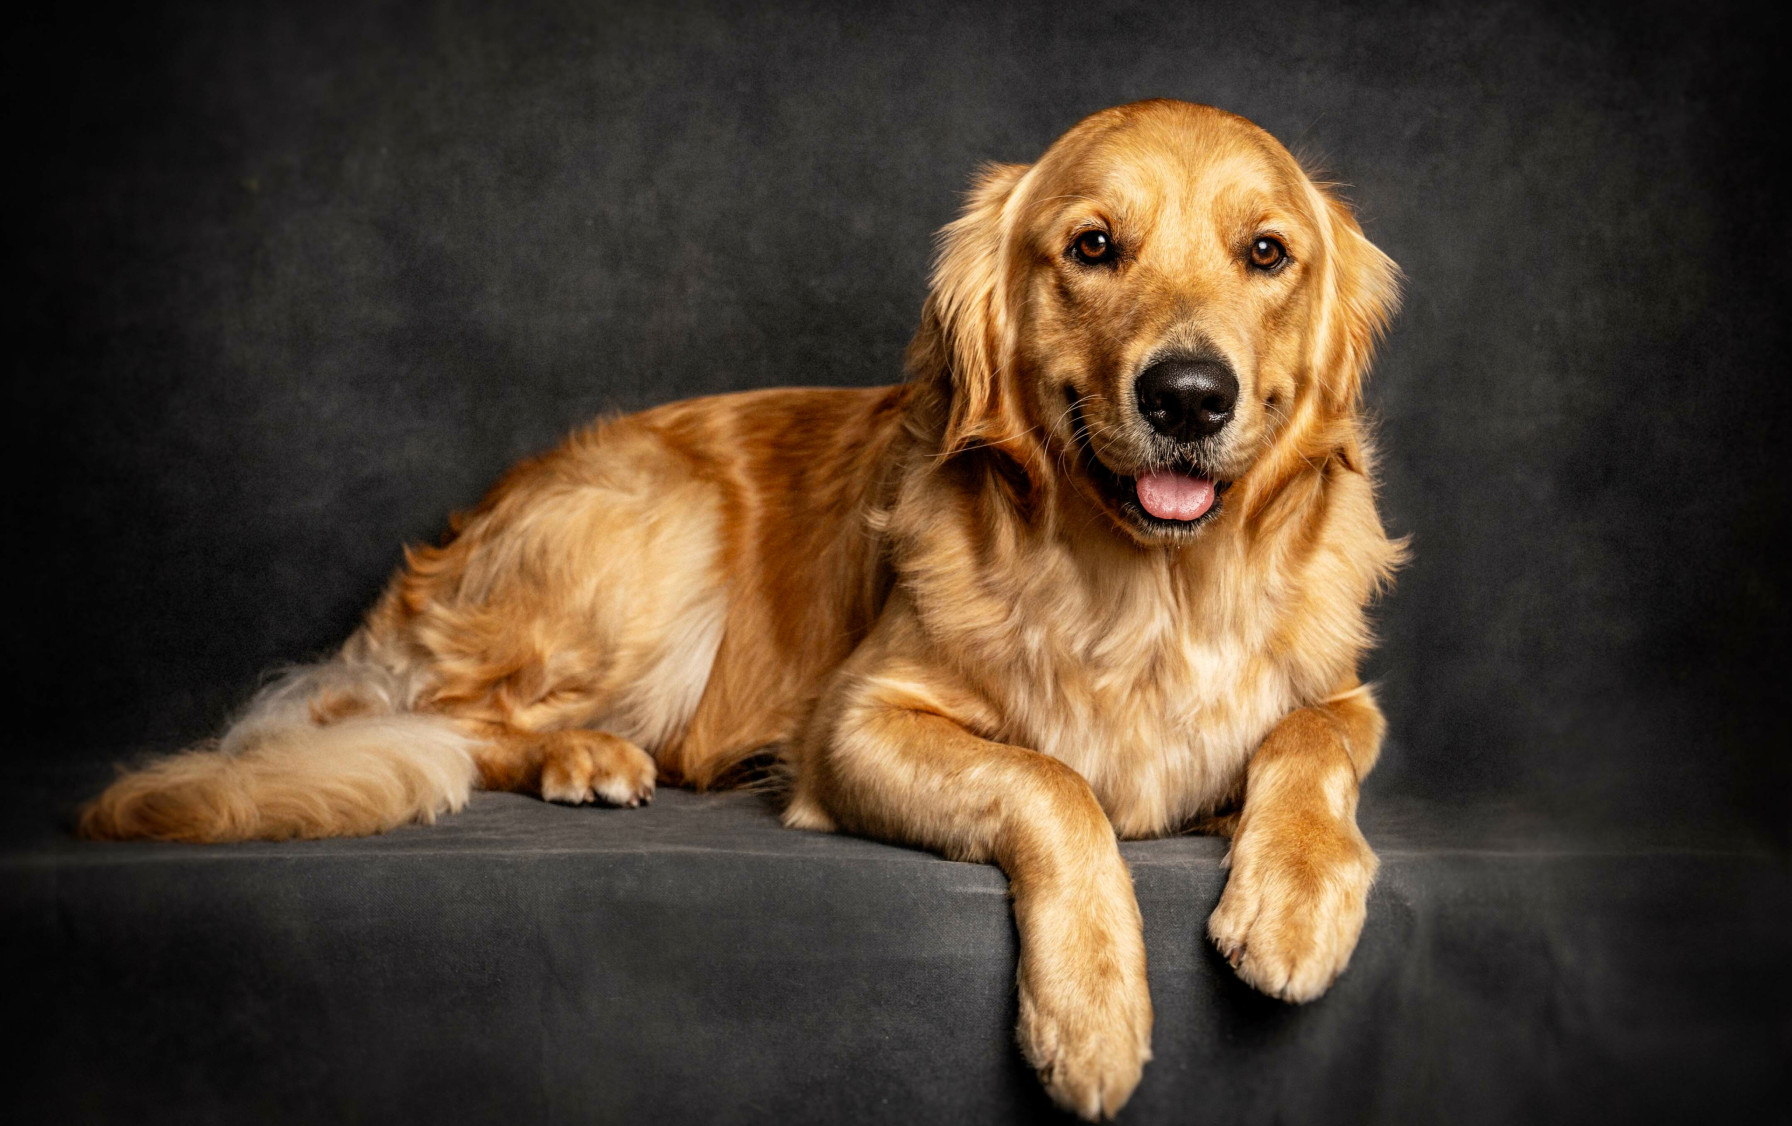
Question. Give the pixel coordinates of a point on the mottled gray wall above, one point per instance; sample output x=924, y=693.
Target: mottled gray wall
x=299, y=280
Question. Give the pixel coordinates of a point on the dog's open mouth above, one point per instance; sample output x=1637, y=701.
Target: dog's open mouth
x=1174, y=497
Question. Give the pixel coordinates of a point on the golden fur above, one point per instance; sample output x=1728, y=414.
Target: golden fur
x=930, y=599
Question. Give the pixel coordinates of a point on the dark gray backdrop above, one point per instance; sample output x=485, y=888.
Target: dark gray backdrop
x=296, y=280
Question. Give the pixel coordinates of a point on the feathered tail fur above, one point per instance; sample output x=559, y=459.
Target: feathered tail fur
x=288, y=767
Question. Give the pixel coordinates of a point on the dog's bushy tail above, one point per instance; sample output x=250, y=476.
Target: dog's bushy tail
x=328, y=750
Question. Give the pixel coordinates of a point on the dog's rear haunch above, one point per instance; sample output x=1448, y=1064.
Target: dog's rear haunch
x=1098, y=569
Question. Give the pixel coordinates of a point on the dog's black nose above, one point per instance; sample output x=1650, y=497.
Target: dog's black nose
x=1188, y=399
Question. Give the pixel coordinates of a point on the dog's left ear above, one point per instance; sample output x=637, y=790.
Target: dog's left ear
x=966, y=337
x=1361, y=295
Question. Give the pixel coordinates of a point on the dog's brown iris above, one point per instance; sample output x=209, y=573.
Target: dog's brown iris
x=1267, y=253
x=1093, y=248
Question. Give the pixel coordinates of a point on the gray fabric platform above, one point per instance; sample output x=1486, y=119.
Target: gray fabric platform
x=695, y=962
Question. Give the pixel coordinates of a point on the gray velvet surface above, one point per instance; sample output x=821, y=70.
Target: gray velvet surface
x=695, y=962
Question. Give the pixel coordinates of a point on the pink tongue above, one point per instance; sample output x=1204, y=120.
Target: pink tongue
x=1175, y=496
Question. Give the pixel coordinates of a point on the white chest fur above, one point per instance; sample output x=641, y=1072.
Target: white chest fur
x=1154, y=690
x=1154, y=679
x=1154, y=674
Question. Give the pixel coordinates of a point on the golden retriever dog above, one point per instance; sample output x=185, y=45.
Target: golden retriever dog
x=1097, y=570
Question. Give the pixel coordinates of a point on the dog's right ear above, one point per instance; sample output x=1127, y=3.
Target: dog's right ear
x=966, y=338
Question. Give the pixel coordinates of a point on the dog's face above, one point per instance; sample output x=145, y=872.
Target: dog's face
x=1168, y=293
x=1165, y=295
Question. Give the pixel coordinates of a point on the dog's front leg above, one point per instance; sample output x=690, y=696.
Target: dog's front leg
x=1294, y=905
x=896, y=767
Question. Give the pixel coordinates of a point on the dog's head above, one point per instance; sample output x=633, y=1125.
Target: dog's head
x=1149, y=310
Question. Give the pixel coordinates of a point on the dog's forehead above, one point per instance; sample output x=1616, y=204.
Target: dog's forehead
x=1180, y=173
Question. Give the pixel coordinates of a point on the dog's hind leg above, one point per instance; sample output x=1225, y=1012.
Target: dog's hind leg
x=571, y=621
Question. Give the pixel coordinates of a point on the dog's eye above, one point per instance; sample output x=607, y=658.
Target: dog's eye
x=1092, y=248
x=1267, y=253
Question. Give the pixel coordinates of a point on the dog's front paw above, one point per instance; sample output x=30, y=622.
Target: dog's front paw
x=1085, y=1023
x=582, y=766
x=1294, y=905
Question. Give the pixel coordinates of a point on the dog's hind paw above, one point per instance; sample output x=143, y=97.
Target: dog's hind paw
x=584, y=766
